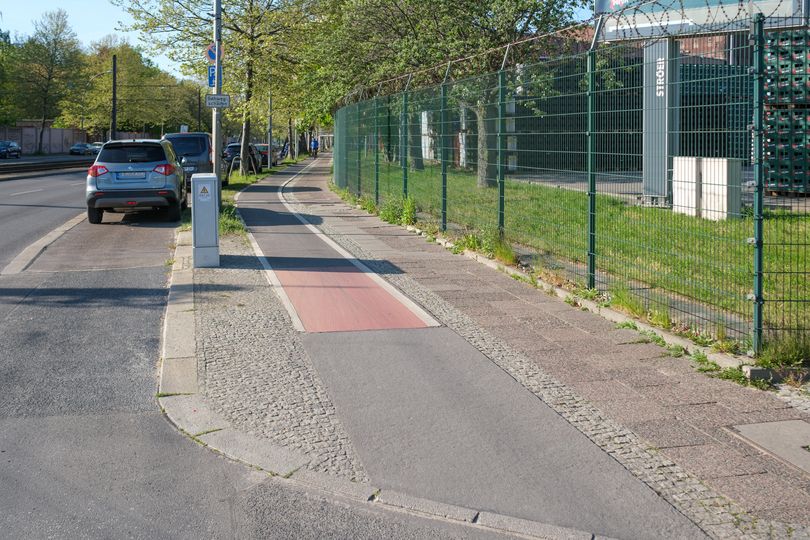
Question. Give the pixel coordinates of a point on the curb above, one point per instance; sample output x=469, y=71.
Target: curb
x=30, y=254
x=188, y=411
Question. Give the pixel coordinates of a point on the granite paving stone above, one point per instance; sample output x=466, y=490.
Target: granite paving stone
x=714, y=460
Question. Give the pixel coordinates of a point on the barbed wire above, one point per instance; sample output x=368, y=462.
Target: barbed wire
x=721, y=16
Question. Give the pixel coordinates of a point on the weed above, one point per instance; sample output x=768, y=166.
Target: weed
x=622, y=298
x=368, y=204
x=660, y=318
x=572, y=301
x=391, y=211
x=587, y=294
x=627, y=325
x=408, y=215
x=786, y=351
x=168, y=263
x=729, y=346
x=676, y=351
x=654, y=338
x=430, y=238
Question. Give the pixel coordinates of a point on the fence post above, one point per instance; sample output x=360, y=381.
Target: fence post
x=376, y=153
x=404, y=143
x=501, y=150
x=759, y=177
x=591, y=152
x=444, y=143
x=359, y=153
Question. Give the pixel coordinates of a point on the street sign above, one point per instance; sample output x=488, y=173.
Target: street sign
x=217, y=101
x=211, y=72
x=211, y=55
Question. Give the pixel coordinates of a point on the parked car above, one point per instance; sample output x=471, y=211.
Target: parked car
x=262, y=148
x=97, y=146
x=234, y=149
x=195, y=151
x=83, y=149
x=136, y=174
x=10, y=149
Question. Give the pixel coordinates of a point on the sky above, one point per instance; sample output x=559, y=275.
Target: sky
x=90, y=19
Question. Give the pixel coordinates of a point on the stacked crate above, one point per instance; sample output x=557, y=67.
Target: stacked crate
x=787, y=111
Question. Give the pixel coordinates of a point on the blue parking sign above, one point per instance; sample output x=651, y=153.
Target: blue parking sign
x=212, y=70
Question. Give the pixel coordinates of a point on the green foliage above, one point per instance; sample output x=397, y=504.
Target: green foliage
x=729, y=346
x=627, y=325
x=408, y=216
x=391, y=210
x=788, y=350
x=367, y=203
x=654, y=338
x=623, y=299
x=676, y=351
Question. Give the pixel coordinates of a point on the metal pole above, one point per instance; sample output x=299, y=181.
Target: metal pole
x=199, y=109
x=359, y=151
x=114, y=112
x=217, y=114
x=759, y=177
x=376, y=153
x=591, y=169
x=404, y=143
x=270, y=154
x=501, y=151
x=444, y=144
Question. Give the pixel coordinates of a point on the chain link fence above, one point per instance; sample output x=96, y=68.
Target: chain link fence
x=669, y=175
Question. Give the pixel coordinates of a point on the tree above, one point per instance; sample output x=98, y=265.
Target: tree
x=251, y=35
x=365, y=42
x=47, y=66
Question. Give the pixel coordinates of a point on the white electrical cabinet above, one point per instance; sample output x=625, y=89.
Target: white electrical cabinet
x=205, y=220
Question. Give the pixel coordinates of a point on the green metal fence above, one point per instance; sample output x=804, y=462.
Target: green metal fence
x=646, y=171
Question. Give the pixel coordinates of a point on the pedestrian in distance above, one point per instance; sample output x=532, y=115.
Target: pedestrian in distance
x=314, y=147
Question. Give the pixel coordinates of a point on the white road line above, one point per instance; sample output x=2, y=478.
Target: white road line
x=25, y=192
x=78, y=184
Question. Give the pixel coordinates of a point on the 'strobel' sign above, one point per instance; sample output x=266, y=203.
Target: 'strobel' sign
x=217, y=101
x=660, y=77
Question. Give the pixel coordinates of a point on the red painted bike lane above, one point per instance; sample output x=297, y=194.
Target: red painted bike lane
x=328, y=291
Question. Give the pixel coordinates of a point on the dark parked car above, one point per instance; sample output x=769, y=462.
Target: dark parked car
x=194, y=150
x=262, y=148
x=10, y=149
x=83, y=149
x=136, y=174
x=233, y=150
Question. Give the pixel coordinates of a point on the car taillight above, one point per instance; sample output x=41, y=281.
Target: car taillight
x=97, y=170
x=166, y=169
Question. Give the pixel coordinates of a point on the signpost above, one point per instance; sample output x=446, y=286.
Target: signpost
x=217, y=91
x=217, y=101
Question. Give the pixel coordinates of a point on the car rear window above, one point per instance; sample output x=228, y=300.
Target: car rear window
x=132, y=153
x=187, y=146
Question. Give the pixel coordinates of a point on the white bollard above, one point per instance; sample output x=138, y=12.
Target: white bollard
x=205, y=220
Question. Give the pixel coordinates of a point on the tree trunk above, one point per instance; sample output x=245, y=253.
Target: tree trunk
x=415, y=142
x=245, y=161
x=487, y=166
x=291, y=146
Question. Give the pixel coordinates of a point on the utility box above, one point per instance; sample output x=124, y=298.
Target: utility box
x=721, y=188
x=710, y=188
x=205, y=220
x=686, y=185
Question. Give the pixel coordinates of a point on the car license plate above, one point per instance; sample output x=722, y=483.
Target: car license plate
x=131, y=175
x=189, y=169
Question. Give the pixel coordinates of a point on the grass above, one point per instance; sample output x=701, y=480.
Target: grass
x=706, y=261
x=790, y=351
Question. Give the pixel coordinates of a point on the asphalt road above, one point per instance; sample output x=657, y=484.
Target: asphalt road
x=32, y=207
x=84, y=449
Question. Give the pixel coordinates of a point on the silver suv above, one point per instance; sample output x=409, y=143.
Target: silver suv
x=136, y=174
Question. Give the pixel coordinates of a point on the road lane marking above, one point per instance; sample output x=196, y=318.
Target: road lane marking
x=29, y=254
x=78, y=184
x=25, y=192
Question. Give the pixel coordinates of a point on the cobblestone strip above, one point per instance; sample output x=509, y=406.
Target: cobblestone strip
x=254, y=370
x=716, y=515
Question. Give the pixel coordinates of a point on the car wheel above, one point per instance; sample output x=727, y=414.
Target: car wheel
x=94, y=215
x=174, y=212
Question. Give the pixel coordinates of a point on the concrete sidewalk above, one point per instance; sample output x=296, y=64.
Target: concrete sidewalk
x=623, y=440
